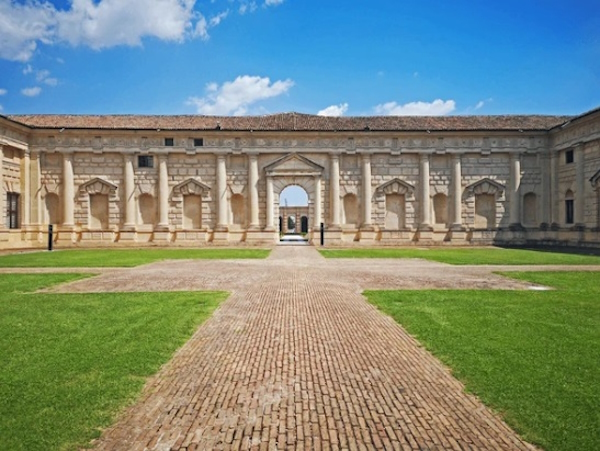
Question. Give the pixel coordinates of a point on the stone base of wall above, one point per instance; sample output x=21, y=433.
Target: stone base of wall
x=37, y=237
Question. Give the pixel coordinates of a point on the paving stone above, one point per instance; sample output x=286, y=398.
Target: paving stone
x=297, y=359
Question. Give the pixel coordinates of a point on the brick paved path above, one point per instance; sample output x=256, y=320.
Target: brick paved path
x=297, y=359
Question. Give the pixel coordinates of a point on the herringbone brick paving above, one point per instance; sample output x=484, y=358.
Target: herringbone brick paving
x=297, y=359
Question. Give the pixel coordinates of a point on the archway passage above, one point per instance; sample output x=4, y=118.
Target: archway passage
x=293, y=213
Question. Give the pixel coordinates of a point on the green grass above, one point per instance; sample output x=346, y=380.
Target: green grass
x=532, y=356
x=478, y=256
x=70, y=362
x=80, y=258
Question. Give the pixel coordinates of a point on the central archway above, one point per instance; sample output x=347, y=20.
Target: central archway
x=293, y=211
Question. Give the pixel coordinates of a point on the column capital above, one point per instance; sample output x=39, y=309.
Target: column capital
x=424, y=156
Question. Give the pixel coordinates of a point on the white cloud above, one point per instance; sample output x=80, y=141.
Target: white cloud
x=28, y=69
x=3, y=92
x=247, y=7
x=51, y=81
x=436, y=108
x=234, y=97
x=22, y=26
x=482, y=103
x=216, y=20
x=116, y=22
x=31, y=92
x=41, y=75
x=334, y=110
x=101, y=24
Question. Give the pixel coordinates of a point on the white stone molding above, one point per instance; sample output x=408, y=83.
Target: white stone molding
x=425, y=196
x=2, y=195
x=191, y=187
x=26, y=194
x=334, y=180
x=367, y=190
x=163, y=191
x=99, y=186
x=397, y=186
x=514, y=197
x=485, y=186
x=68, y=190
x=457, y=191
x=270, y=206
x=294, y=164
x=253, y=190
x=222, y=219
x=579, y=155
x=129, y=192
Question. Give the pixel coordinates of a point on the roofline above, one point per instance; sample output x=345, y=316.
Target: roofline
x=576, y=118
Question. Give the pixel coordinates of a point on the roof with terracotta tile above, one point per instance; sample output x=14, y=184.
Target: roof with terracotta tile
x=292, y=122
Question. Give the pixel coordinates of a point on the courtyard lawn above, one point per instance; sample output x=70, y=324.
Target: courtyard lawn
x=81, y=258
x=70, y=362
x=470, y=256
x=532, y=356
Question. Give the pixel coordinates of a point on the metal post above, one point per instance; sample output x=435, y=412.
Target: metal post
x=50, y=237
x=322, y=234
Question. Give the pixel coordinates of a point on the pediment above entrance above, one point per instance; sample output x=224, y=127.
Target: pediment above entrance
x=485, y=186
x=191, y=186
x=396, y=186
x=98, y=186
x=294, y=164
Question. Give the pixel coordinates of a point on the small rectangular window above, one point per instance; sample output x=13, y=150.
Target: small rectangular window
x=169, y=142
x=145, y=161
x=569, y=211
x=12, y=210
x=569, y=158
x=198, y=142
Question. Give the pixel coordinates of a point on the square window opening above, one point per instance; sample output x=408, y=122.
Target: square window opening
x=169, y=142
x=569, y=157
x=198, y=142
x=145, y=161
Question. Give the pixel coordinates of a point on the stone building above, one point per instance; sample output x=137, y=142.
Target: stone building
x=194, y=180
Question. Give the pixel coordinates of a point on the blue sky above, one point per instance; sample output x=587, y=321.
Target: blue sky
x=235, y=57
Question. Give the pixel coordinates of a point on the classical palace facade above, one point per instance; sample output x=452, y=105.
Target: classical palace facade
x=195, y=180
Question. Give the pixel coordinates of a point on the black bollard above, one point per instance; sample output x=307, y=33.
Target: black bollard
x=50, y=237
x=322, y=234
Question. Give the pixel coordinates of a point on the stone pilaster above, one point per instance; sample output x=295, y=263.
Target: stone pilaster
x=334, y=180
x=425, y=196
x=554, y=197
x=129, y=192
x=456, y=192
x=546, y=213
x=222, y=220
x=253, y=190
x=36, y=198
x=270, y=196
x=26, y=187
x=2, y=193
x=514, y=191
x=68, y=197
x=317, y=205
x=163, y=192
x=367, y=190
x=580, y=186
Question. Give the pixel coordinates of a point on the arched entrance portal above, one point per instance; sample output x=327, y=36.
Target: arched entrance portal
x=293, y=213
x=303, y=176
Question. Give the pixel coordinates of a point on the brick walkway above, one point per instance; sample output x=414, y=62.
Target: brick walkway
x=296, y=359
